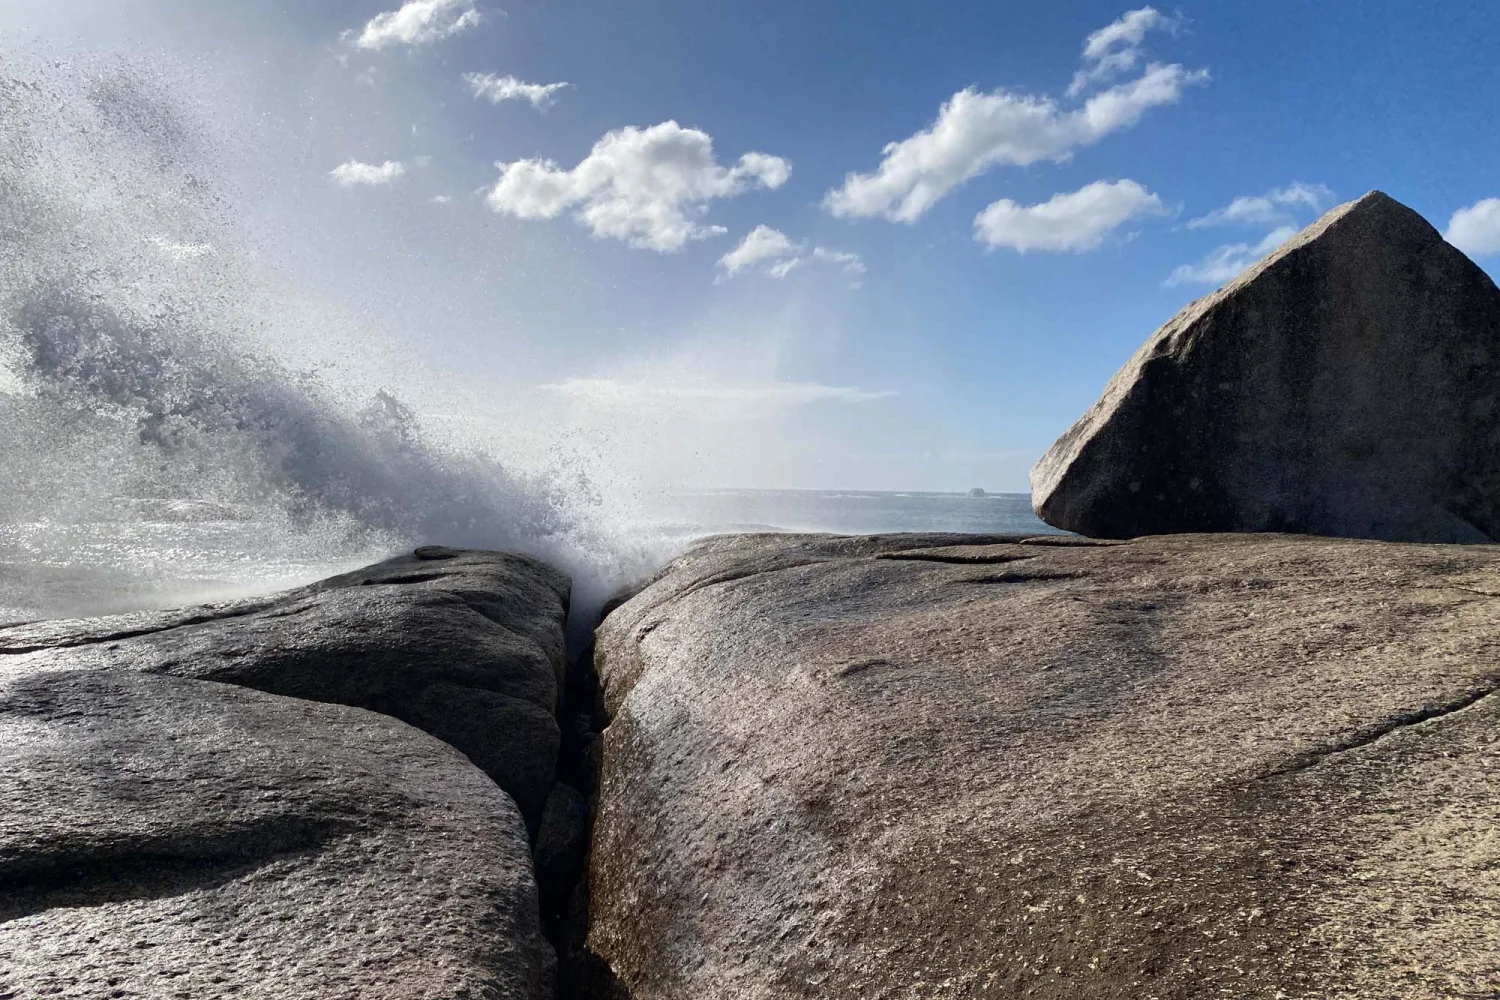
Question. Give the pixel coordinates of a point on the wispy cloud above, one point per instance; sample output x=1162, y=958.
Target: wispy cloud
x=1116, y=47
x=495, y=89
x=774, y=253
x=851, y=262
x=976, y=131
x=1226, y=262
x=1279, y=208
x=1275, y=207
x=762, y=245
x=760, y=395
x=354, y=173
x=1073, y=222
x=647, y=186
x=417, y=22
x=1476, y=229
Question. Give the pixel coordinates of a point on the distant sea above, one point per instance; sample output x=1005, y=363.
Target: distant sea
x=853, y=512
x=167, y=553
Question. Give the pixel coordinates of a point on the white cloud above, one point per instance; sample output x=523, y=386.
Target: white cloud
x=762, y=245
x=773, y=252
x=1116, y=47
x=417, y=22
x=354, y=172
x=701, y=391
x=507, y=88
x=647, y=186
x=1227, y=261
x=976, y=131
x=1271, y=208
x=442, y=199
x=1074, y=222
x=1476, y=229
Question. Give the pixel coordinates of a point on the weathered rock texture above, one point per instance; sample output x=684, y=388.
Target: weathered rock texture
x=1250, y=766
x=465, y=645
x=162, y=837
x=1349, y=385
x=166, y=831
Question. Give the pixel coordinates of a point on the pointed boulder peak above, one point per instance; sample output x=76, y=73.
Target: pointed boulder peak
x=1348, y=384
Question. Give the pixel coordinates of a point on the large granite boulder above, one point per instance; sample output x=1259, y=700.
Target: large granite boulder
x=1250, y=766
x=165, y=837
x=465, y=645
x=1348, y=384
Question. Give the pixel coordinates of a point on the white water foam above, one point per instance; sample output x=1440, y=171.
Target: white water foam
x=152, y=450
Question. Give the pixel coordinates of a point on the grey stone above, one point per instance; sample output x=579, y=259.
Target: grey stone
x=465, y=645
x=168, y=837
x=1348, y=384
x=1178, y=767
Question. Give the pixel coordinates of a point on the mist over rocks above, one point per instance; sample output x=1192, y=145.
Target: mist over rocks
x=1347, y=385
x=1249, y=765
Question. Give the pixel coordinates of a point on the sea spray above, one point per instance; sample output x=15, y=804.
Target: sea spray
x=153, y=450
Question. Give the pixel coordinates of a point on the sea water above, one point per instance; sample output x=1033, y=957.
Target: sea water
x=171, y=552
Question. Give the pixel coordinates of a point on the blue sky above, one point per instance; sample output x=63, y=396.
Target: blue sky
x=924, y=315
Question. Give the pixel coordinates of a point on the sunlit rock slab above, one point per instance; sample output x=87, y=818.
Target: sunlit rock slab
x=1255, y=766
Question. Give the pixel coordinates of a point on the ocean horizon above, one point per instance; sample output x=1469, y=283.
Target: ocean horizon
x=139, y=554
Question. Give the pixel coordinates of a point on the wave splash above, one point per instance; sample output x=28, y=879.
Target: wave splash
x=135, y=393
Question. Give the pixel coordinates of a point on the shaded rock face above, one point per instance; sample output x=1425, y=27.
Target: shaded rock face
x=467, y=646
x=1186, y=766
x=1347, y=385
x=197, y=803
x=165, y=837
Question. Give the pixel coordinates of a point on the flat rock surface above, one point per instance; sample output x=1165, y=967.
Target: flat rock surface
x=1348, y=384
x=167, y=837
x=465, y=645
x=1250, y=766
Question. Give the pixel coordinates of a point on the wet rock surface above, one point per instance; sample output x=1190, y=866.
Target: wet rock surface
x=1239, y=765
x=224, y=801
x=166, y=837
x=465, y=645
x=1346, y=385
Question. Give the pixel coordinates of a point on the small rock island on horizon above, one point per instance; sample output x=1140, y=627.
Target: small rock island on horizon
x=1217, y=757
